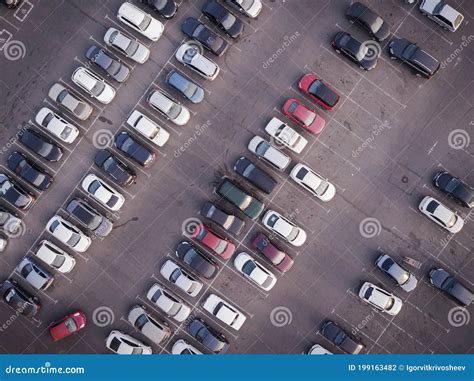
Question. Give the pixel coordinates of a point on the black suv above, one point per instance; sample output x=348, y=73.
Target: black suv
x=455, y=188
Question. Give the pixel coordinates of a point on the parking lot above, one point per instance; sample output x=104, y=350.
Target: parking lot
x=391, y=132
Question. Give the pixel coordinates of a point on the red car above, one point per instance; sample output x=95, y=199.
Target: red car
x=318, y=91
x=67, y=326
x=220, y=246
x=278, y=258
x=305, y=117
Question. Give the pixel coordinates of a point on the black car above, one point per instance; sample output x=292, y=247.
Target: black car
x=29, y=171
x=185, y=86
x=18, y=299
x=441, y=279
x=126, y=144
x=455, y=188
x=14, y=193
x=369, y=20
x=165, y=8
x=225, y=20
x=365, y=54
x=196, y=30
x=341, y=338
x=207, y=336
x=109, y=65
x=115, y=168
x=258, y=177
x=196, y=260
x=227, y=221
x=422, y=63
x=41, y=145
x=89, y=217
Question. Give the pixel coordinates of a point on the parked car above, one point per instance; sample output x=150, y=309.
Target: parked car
x=168, y=303
x=175, y=274
x=169, y=108
x=32, y=173
x=102, y=192
x=441, y=215
x=41, y=145
x=455, y=188
x=18, y=299
x=185, y=86
x=250, y=8
x=34, y=275
x=3, y=242
x=9, y=222
x=404, y=278
x=444, y=281
x=318, y=91
x=93, y=85
x=256, y=176
x=90, y=218
x=149, y=129
x=55, y=257
x=152, y=328
x=284, y=228
x=285, y=135
x=442, y=14
x=115, y=168
x=223, y=247
x=59, y=94
x=123, y=344
x=199, y=262
x=224, y=311
x=67, y=326
x=110, y=66
x=317, y=349
x=140, y=21
x=380, y=299
x=14, y=193
x=182, y=347
x=303, y=116
x=271, y=155
x=196, y=30
x=207, y=336
x=315, y=184
x=165, y=8
x=249, y=205
x=188, y=54
x=422, y=63
x=278, y=258
x=225, y=20
x=68, y=234
x=128, y=46
x=225, y=220
x=370, y=21
x=56, y=125
x=363, y=54
x=342, y=339
x=254, y=271
x=134, y=150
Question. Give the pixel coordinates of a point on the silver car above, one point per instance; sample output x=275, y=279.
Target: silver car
x=156, y=331
x=34, y=275
x=10, y=223
x=168, y=303
x=59, y=94
x=55, y=257
x=404, y=278
x=171, y=109
x=128, y=46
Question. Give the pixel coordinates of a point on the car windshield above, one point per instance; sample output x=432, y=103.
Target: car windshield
x=220, y=248
x=322, y=188
x=174, y=111
x=26, y=270
x=376, y=24
x=98, y=88
x=293, y=234
x=70, y=325
x=62, y=95
x=190, y=256
x=141, y=321
x=262, y=148
x=145, y=22
x=66, y=132
x=114, y=67
x=390, y=303
x=452, y=185
x=199, y=29
x=74, y=239
x=189, y=54
x=131, y=48
x=127, y=144
x=58, y=261
x=248, y=267
x=228, y=21
x=175, y=275
x=452, y=221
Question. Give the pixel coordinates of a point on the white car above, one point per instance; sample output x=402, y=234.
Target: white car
x=149, y=129
x=254, y=271
x=9, y=222
x=286, y=135
x=264, y=150
x=56, y=125
x=182, y=347
x=284, y=228
x=93, y=85
x=34, y=275
x=188, y=54
x=442, y=13
x=155, y=330
x=126, y=45
x=250, y=8
x=172, y=110
x=81, y=110
x=103, y=192
x=141, y=21
x=123, y=344
x=168, y=303
x=317, y=349
x=55, y=257
x=180, y=278
x=68, y=234
x=441, y=214
x=224, y=311
x=380, y=299
x=315, y=184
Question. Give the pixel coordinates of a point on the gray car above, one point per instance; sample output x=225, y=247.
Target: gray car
x=185, y=86
x=128, y=46
x=155, y=330
x=10, y=223
x=404, y=278
x=109, y=65
x=81, y=110
x=89, y=217
x=34, y=275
